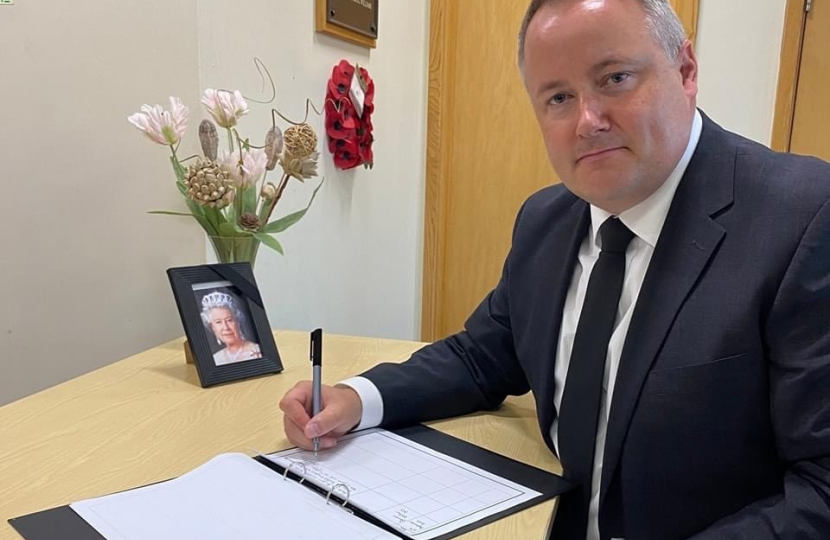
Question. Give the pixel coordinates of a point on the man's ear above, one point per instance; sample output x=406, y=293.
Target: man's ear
x=688, y=69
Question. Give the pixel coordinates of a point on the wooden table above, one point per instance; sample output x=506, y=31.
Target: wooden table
x=146, y=419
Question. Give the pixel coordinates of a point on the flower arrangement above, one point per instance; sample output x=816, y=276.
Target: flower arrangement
x=227, y=191
x=349, y=116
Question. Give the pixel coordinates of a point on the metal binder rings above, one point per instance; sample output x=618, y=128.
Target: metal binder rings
x=341, y=487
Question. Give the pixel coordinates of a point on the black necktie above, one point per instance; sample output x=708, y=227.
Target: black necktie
x=579, y=410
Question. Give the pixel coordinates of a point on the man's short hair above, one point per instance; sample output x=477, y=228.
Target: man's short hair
x=662, y=20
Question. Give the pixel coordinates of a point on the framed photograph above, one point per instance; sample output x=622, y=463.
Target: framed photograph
x=225, y=323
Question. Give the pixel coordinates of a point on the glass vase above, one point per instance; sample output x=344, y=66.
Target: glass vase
x=232, y=249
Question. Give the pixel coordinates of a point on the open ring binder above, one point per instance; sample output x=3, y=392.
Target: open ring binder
x=294, y=508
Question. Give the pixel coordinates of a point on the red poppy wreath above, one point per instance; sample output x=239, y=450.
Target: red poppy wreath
x=349, y=116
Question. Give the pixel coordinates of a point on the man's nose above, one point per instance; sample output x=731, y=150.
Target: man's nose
x=592, y=117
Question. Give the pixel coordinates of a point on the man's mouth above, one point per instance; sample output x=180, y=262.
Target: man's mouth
x=597, y=154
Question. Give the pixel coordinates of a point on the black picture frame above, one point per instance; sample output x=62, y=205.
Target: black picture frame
x=230, y=299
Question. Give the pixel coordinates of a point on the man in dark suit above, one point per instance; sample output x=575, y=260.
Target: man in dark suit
x=668, y=305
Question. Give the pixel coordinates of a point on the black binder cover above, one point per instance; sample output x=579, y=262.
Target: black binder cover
x=62, y=523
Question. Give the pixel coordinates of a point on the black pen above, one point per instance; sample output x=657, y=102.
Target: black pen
x=316, y=356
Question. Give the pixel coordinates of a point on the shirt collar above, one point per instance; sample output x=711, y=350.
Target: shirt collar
x=646, y=219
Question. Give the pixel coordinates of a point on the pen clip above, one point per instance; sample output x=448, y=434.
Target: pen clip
x=316, y=352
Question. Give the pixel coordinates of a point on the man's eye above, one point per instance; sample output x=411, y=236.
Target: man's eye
x=558, y=99
x=617, y=78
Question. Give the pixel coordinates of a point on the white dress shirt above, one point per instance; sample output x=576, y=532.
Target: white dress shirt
x=646, y=221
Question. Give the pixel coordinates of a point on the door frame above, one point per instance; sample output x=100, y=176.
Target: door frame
x=795, y=22
x=443, y=17
x=443, y=24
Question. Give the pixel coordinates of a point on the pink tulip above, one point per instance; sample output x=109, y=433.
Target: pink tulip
x=225, y=107
x=253, y=165
x=163, y=127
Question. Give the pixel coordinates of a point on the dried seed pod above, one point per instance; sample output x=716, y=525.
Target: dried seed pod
x=249, y=222
x=273, y=147
x=208, y=184
x=209, y=139
x=269, y=191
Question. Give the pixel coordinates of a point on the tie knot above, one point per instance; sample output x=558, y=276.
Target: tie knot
x=615, y=236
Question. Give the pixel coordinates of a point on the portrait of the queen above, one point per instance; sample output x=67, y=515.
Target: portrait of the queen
x=227, y=324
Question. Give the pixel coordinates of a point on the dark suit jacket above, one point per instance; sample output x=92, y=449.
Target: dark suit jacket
x=720, y=420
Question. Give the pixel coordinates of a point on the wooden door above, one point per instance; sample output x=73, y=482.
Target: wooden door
x=811, y=118
x=802, y=111
x=485, y=155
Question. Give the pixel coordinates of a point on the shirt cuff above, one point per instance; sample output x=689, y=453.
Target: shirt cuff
x=371, y=399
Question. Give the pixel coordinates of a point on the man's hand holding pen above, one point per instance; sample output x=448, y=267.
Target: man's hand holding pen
x=341, y=412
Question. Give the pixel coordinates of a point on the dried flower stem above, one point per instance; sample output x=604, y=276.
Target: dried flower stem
x=255, y=146
x=239, y=142
x=261, y=204
x=283, y=183
x=339, y=103
x=281, y=187
x=308, y=104
x=260, y=67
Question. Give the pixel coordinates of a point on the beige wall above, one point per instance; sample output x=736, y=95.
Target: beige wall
x=738, y=47
x=81, y=264
x=353, y=264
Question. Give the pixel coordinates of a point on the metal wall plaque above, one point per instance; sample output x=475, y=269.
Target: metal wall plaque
x=360, y=16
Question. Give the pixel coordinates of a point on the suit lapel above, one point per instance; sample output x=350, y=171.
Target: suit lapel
x=569, y=233
x=690, y=237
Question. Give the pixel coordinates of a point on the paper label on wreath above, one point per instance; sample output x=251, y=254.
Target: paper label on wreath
x=357, y=94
